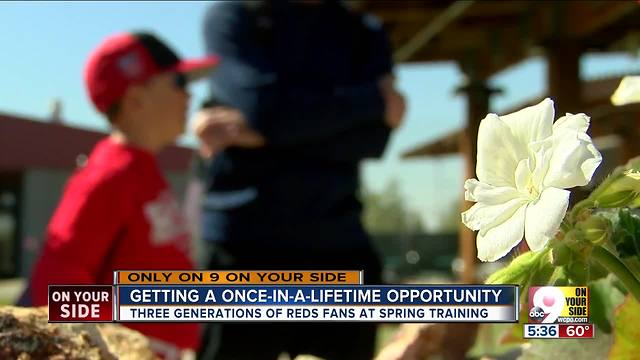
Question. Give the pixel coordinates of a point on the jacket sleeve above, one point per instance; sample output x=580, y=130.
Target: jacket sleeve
x=285, y=114
x=80, y=236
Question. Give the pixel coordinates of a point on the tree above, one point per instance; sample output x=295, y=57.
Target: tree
x=449, y=219
x=386, y=213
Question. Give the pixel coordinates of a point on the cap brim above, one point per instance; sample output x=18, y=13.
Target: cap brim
x=196, y=69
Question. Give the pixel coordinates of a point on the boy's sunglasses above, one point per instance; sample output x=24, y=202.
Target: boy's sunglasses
x=180, y=80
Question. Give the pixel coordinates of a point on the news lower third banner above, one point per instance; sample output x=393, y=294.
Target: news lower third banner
x=174, y=296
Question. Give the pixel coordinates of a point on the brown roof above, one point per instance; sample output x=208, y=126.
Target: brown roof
x=445, y=145
x=26, y=143
x=498, y=34
x=597, y=104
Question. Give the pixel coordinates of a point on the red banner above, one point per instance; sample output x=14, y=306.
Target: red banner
x=80, y=303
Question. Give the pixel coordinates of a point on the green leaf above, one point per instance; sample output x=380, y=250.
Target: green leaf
x=604, y=297
x=627, y=334
x=596, y=271
x=626, y=236
x=559, y=277
x=578, y=272
x=541, y=275
x=633, y=263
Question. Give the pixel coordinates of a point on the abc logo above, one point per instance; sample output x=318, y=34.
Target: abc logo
x=545, y=303
x=537, y=314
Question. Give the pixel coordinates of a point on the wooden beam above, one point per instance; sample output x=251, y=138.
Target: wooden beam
x=425, y=11
x=530, y=24
x=448, y=144
x=420, y=39
x=583, y=20
x=496, y=48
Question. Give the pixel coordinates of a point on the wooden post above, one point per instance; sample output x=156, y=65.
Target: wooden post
x=478, y=95
x=563, y=75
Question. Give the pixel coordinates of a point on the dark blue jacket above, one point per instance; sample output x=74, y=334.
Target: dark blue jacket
x=306, y=78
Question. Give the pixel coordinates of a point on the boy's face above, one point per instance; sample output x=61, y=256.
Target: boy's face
x=165, y=102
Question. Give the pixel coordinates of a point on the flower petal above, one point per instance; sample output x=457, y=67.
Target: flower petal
x=544, y=216
x=480, y=192
x=523, y=175
x=498, y=152
x=542, y=151
x=499, y=240
x=482, y=216
x=627, y=92
x=578, y=122
x=574, y=158
x=532, y=123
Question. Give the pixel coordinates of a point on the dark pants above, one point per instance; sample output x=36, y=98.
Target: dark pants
x=238, y=341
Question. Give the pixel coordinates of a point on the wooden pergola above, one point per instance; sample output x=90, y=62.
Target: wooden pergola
x=485, y=37
x=606, y=119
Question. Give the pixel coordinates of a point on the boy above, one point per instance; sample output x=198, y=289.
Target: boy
x=118, y=212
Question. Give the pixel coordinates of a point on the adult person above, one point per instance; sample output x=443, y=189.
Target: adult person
x=305, y=92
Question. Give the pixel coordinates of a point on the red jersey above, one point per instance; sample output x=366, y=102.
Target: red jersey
x=117, y=213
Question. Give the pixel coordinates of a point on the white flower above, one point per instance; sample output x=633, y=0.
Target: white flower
x=524, y=163
x=627, y=92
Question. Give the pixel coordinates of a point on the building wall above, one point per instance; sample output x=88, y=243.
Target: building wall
x=41, y=192
x=10, y=183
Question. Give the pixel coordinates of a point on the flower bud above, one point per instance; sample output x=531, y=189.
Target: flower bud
x=519, y=270
x=596, y=229
x=620, y=191
x=578, y=272
x=633, y=164
x=617, y=199
x=560, y=254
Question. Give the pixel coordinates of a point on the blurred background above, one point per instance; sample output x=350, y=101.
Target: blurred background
x=456, y=61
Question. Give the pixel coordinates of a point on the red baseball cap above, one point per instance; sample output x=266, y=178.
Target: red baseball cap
x=127, y=59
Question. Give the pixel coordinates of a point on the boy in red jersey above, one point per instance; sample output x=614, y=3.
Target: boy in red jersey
x=118, y=212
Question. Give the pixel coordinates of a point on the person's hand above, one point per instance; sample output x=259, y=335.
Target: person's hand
x=394, y=101
x=220, y=127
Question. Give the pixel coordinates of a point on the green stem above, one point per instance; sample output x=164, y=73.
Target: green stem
x=613, y=264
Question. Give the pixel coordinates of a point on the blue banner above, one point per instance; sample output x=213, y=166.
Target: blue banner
x=317, y=295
